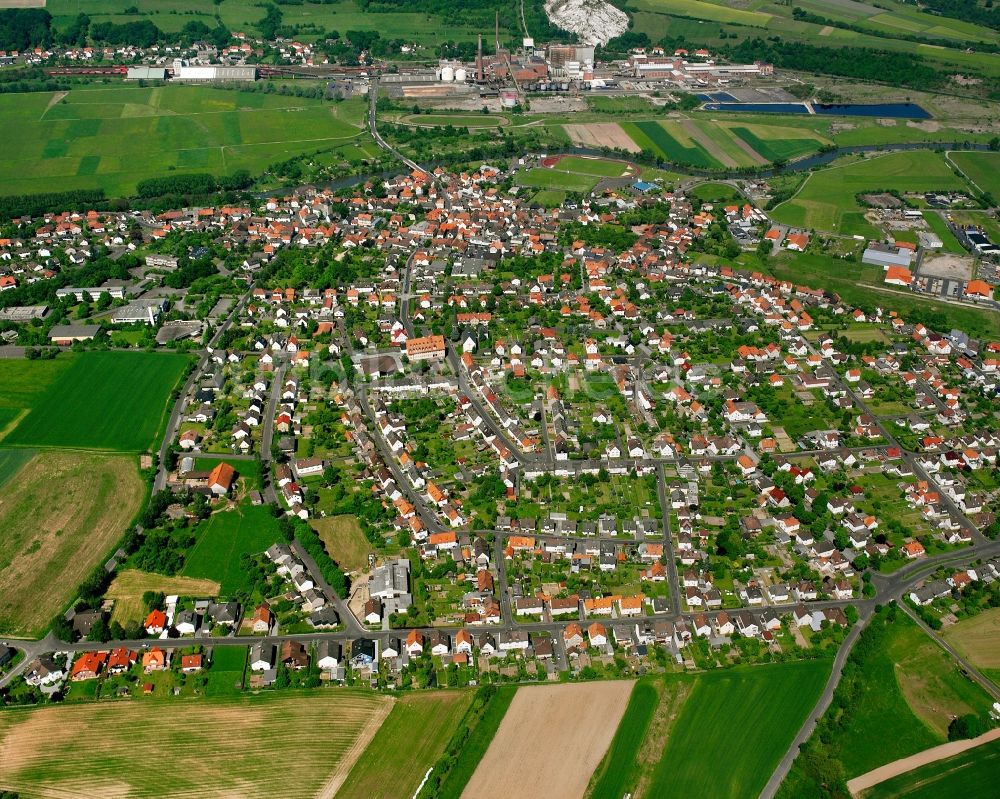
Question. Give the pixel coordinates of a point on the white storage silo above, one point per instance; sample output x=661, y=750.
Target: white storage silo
x=447, y=74
x=460, y=75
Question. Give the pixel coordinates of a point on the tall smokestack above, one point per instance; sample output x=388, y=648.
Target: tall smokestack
x=479, y=60
x=498, y=32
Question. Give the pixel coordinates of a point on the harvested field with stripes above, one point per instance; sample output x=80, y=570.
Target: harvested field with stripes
x=265, y=746
x=601, y=134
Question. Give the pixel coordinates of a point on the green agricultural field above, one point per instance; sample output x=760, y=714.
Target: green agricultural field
x=827, y=201
x=309, y=20
x=777, y=149
x=476, y=742
x=773, y=701
x=672, y=146
x=969, y=775
x=11, y=461
x=616, y=776
x=983, y=169
x=543, y=178
x=102, y=401
x=224, y=538
x=111, y=138
x=408, y=743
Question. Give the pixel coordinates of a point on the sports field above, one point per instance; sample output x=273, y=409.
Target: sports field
x=970, y=775
x=224, y=538
x=60, y=517
x=111, y=138
x=602, y=167
x=111, y=401
x=129, y=585
x=408, y=743
x=827, y=200
x=344, y=541
x=725, y=706
x=248, y=746
x=545, y=178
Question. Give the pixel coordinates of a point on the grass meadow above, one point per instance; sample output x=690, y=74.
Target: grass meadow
x=113, y=401
x=344, y=541
x=60, y=519
x=983, y=169
x=827, y=199
x=408, y=743
x=969, y=775
x=111, y=138
x=224, y=538
x=212, y=748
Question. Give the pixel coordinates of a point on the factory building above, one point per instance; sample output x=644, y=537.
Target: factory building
x=215, y=73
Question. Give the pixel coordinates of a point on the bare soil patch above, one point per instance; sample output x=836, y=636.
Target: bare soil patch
x=601, y=134
x=550, y=741
x=22, y=3
x=60, y=518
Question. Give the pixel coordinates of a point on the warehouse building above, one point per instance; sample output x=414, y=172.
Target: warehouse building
x=885, y=256
x=215, y=74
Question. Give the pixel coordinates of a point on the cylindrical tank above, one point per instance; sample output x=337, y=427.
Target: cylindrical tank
x=460, y=75
x=448, y=74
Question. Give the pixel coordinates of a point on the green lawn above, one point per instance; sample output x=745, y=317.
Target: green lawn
x=735, y=727
x=617, y=775
x=777, y=149
x=225, y=678
x=224, y=538
x=549, y=198
x=827, y=199
x=112, y=138
x=102, y=400
x=408, y=743
x=969, y=775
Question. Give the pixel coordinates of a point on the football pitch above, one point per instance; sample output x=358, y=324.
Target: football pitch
x=112, y=138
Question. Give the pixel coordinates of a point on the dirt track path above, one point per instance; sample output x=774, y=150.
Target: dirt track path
x=932, y=755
